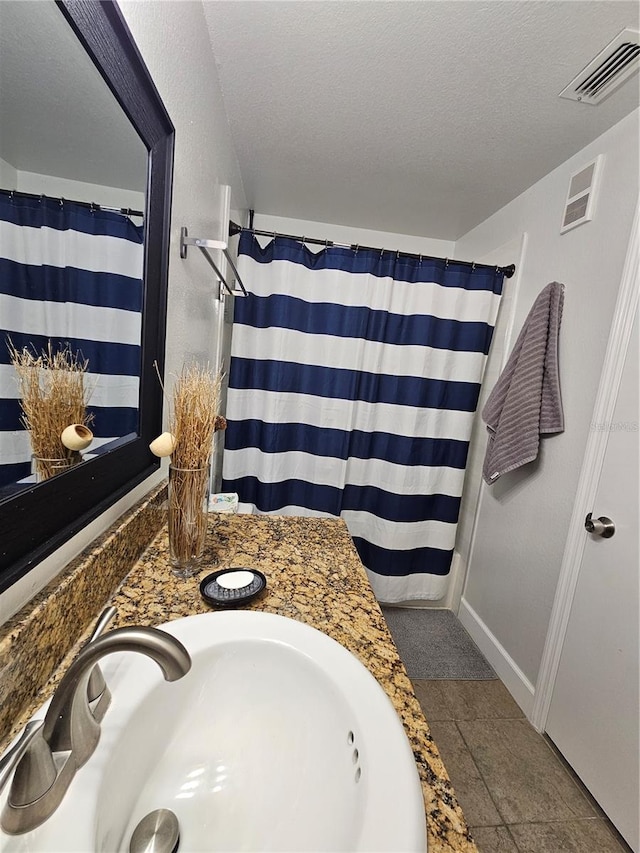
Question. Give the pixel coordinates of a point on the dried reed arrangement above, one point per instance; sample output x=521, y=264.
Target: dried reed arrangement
x=196, y=397
x=52, y=396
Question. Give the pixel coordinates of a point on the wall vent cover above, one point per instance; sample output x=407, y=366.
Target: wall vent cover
x=611, y=67
x=581, y=195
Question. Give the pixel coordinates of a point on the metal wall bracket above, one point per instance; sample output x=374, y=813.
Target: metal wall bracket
x=186, y=241
x=204, y=246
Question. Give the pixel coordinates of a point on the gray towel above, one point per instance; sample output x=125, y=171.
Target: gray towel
x=526, y=401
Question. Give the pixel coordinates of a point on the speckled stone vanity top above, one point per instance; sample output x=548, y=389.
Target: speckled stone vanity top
x=314, y=575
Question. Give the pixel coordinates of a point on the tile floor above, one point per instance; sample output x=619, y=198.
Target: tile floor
x=517, y=793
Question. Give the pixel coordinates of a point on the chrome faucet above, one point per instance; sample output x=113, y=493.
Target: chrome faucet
x=44, y=761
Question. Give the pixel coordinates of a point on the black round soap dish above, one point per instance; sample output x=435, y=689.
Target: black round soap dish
x=232, y=587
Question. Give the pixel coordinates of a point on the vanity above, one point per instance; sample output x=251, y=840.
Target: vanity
x=314, y=576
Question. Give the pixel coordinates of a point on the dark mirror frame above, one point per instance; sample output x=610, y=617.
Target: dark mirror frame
x=40, y=519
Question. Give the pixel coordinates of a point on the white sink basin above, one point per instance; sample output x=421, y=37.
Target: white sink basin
x=278, y=739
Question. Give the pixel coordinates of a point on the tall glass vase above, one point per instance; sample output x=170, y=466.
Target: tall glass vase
x=188, y=512
x=45, y=468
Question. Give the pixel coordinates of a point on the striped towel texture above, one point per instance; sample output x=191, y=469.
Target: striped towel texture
x=526, y=401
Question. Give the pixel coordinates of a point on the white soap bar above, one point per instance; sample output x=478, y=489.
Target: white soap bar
x=235, y=580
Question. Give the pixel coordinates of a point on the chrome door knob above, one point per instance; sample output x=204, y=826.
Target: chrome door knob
x=602, y=526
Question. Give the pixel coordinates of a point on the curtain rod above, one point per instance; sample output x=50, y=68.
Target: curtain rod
x=125, y=211
x=234, y=229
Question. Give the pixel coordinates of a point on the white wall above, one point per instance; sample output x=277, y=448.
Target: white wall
x=32, y=182
x=172, y=38
x=8, y=176
x=510, y=253
x=522, y=520
x=360, y=236
x=174, y=42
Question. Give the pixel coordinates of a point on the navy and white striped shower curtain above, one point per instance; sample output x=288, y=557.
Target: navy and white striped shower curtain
x=353, y=384
x=70, y=275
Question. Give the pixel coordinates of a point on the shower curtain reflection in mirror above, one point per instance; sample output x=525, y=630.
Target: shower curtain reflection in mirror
x=70, y=276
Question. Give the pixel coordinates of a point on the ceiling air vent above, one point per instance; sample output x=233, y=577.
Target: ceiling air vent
x=611, y=67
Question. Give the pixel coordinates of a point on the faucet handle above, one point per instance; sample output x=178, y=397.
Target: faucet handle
x=97, y=690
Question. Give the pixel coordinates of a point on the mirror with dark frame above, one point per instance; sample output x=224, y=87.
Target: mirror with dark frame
x=116, y=143
x=73, y=178
x=70, y=258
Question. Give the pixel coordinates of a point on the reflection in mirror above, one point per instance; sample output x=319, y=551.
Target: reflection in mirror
x=116, y=134
x=73, y=174
x=53, y=399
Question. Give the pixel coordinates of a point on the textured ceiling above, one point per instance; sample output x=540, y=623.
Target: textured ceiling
x=414, y=117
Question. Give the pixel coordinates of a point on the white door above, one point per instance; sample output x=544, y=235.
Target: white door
x=594, y=717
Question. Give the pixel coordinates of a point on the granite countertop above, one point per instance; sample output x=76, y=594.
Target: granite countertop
x=314, y=575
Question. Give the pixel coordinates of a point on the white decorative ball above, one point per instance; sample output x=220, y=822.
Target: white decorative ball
x=76, y=437
x=163, y=445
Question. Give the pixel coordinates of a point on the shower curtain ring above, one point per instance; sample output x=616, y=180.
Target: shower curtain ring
x=446, y=262
x=473, y=267
x=61, y=200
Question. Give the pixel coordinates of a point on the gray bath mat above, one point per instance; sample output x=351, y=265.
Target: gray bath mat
x=433, y=644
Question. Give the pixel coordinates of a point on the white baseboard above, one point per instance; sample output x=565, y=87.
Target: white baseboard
x=506, y=668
